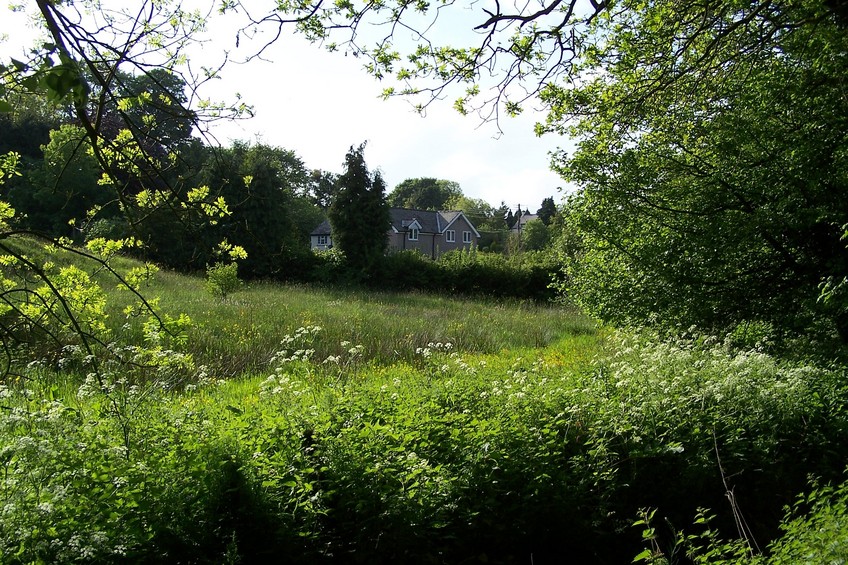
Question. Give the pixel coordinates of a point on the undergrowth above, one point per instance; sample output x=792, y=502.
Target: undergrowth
x=445, y=457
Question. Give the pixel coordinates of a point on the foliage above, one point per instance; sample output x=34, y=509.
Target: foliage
x=154, y=106
x=480, y=212
x=9, y=166
x=525, y=275
x=259, y=186
x=258, y=183
x=710, y=165
x=535, y=235
x=304, y=215
x=813, y=531
x=322, y=186
x=547, y=211
x=61, y=192
x=115, y=74
x=359, y=214
x=327, y=456
x=424, y=194
x=26, y=126
x=222, y=278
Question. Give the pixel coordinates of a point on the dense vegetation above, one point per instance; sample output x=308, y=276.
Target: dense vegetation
x=370, y=427
x=151, y=416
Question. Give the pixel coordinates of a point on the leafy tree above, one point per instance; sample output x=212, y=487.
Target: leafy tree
x=65, y=186
x=305, y=215
x=154, y=105
x=77, y=66
x=547, y=211
x=359, y=214
x=258, y=183
x=712, y=158
x=121, y=75
x=499, y=220
x=535, y=236
x=321, y=188
x=26, y=127
x=424, y=194
x=477, y=210
x=510, y=219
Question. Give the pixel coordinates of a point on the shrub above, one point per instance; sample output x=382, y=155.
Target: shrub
x=222, y=279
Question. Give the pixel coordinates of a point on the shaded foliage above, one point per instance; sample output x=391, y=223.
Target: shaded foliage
x=712, y=157
x=424, y=194
x=359, y=214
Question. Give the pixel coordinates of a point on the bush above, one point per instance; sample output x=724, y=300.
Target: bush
x=814, y=530
x=527, y=275
x=222, y=279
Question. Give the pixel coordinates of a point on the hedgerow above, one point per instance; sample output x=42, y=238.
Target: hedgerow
x=527, y=275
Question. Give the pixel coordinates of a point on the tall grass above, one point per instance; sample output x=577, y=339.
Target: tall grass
x=540, y=457
x=240, y=334
x=373, y=440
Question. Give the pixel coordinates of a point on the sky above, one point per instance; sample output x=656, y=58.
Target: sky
x=319, y=104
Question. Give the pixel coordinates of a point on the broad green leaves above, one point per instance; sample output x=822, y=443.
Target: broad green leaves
x=711, y=165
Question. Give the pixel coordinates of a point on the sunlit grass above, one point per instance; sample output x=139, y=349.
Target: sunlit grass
x=240, y=334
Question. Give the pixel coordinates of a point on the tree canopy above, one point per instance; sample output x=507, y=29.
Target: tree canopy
x=712, y=161
x=359, y=214
x=711, y=146
x=547, y=210
x=424, y=194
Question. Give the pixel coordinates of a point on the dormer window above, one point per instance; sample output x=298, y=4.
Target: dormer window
x=413, y=234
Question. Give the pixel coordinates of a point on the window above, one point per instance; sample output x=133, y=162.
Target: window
x=322, y=240
x=413, y=234
x=466, y=237
x=450, y=236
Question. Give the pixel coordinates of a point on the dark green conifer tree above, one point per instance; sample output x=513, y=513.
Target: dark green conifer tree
x=547, y=211
x=359, y=214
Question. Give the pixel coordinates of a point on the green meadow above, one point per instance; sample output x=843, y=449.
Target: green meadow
x=296, y=424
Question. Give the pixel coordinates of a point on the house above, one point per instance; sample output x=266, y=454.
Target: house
x=522, y=221
x=430, y=232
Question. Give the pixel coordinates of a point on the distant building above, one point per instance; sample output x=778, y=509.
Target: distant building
x=523, y=219
x=430, y=232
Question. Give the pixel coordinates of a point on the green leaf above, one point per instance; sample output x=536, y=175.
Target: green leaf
x=644, y=556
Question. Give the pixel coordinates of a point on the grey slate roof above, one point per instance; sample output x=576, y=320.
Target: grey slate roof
x=430, y=221
x=525, y=218
x=322, y=229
